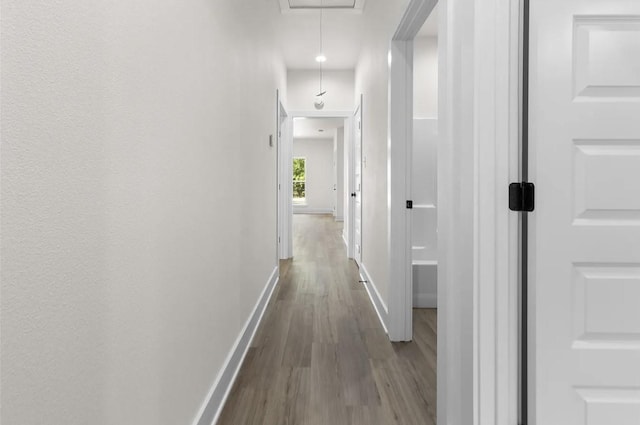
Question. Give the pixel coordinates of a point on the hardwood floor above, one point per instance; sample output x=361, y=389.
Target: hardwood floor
x=321, y=357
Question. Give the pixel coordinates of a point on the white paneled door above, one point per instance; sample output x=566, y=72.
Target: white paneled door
x=357, y=182
x=584, y=235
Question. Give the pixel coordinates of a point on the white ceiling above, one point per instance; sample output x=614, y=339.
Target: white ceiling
x=300, y=37
x=430, y=27
x=342, y=31
x=308, y=128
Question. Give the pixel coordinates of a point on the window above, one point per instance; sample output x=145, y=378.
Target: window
x=299, y=180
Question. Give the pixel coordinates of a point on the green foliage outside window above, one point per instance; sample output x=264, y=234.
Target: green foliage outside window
x=299, y=178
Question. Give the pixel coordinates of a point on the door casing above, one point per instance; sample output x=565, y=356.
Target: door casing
x=478, y=241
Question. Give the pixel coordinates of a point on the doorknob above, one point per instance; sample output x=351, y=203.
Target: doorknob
x=353, y=195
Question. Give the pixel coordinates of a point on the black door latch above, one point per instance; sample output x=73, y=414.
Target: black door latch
x=522, y=196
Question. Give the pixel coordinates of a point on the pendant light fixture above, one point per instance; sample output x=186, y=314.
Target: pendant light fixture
x=321, y=58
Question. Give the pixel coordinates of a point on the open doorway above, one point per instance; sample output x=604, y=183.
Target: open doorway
x=317, y=182
x=413, y=186
x=315, y=171
x=424, y=166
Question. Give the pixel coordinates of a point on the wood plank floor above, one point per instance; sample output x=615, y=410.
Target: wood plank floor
x=321, y=357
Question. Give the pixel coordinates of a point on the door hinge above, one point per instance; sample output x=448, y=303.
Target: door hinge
x=521, y=196
x=409, y=205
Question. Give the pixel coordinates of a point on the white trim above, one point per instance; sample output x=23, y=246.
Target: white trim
x=496, y=107
x=339, y=218
x=425, y=301
x=476, y=232
x=320, y=114
x=424, y=262
x=344, y=239
x=399, y=188
x=214, y=402
x=299, y=209
x=378, y=304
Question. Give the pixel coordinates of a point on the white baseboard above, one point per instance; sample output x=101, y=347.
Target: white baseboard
x=312, y=211
x=345, y=242
x=374, y=296
x=217, y=396
x=339, y=218
x=425, y=301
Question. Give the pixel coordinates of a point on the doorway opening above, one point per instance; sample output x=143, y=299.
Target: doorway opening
x=424, y=166
x=413, y=186
x=317, y=166
x=315, y=170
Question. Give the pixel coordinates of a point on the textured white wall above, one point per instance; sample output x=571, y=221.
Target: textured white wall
x=134, y=243
x=319, y=179
x=425, y=77
x=372, y=80
x=303, y=85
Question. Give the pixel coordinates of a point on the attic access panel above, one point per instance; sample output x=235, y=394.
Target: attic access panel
x=307, y=5
x=313, y=4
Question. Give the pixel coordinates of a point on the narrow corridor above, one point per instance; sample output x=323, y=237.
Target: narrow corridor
x=321, y=356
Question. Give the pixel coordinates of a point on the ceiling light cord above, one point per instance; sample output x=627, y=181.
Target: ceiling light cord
x=321, y=46
x=319, y=102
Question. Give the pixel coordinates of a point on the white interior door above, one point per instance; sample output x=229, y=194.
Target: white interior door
x=585, y=232
x=357, y=184
x=285, y=210
x=280, y=121
x=335, y=174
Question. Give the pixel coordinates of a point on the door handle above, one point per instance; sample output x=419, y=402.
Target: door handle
x=353, y=195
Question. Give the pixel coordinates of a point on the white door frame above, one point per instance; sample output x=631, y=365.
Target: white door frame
x=284, y=191
x=477, y=234
x=351, y=242
x=285, y=175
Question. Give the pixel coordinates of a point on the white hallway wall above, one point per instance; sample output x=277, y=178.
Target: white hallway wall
x=319, y=179
x=425, y=77
x=371, y=79
x=124, y=278
x=303, y=85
